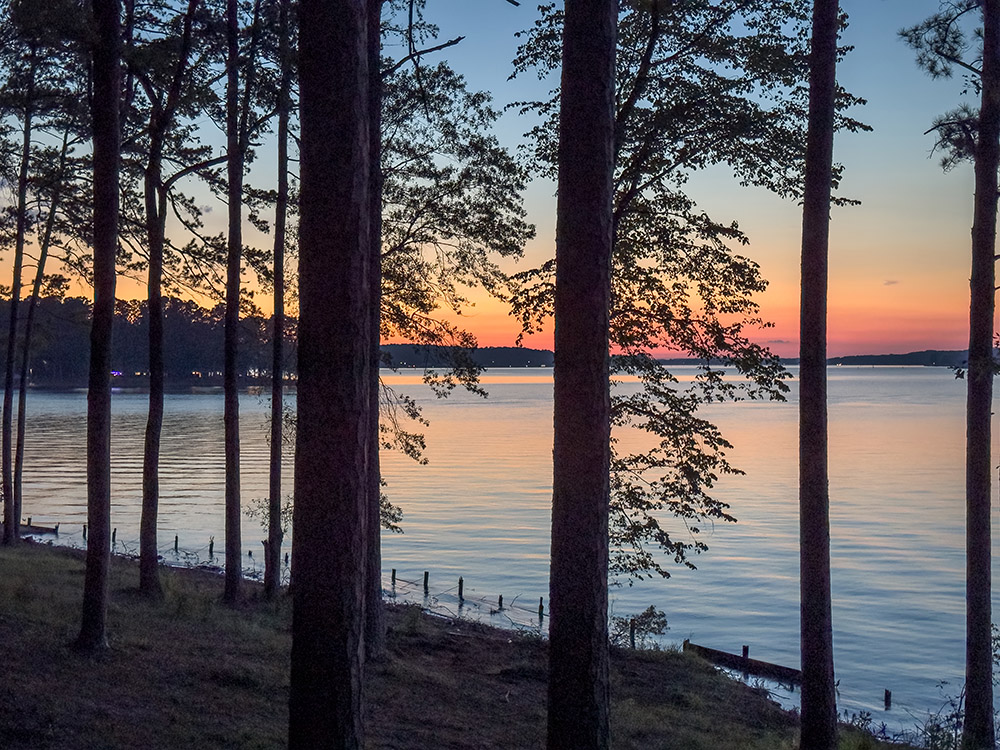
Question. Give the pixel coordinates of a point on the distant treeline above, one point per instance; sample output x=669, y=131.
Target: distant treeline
x=194, y=337
x=193, y=345
x=410, y=355
x=926, y=358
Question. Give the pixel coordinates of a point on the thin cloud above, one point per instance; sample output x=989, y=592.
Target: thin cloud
x=890, y=282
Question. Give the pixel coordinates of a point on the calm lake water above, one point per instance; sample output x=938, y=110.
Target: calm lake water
x=480, y=509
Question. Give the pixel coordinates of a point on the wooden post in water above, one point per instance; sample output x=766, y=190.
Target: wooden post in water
x=85, y=532
x=500, y=602
x=426, y=577
x=746, y=652
x=393, y=577
x=888, y=699
x=176, y=542
x=211, y=548
x=114, y=534
x=541, y=608
x=461, y=589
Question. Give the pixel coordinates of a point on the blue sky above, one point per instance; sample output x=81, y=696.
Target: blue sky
x=899, y=262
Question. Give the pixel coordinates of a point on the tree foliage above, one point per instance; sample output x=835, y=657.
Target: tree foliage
x=949, y=42
x=451, y=207
x=451, y=197
x=965, y=36
x=707, y=84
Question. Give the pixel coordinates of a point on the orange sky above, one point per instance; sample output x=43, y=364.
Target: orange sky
x=898, y=262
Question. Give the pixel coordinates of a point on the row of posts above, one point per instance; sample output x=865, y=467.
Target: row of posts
x=211, y=543
x=461, y=592
x=541, y=611
x=461, y=585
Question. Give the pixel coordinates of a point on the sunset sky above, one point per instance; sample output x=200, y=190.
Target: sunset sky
x=898, y=263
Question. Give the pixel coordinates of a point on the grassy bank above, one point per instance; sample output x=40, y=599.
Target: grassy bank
x=190, y=672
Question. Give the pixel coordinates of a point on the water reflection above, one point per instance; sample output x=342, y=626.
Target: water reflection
x=480, y=510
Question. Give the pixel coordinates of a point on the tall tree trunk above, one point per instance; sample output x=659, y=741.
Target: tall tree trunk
x=578, y=693
x=43, y=253
x=107, y=152
x=819, y=703
x=12, y=510
x=978, y=731
x=272, y=562
x=374, y=611
x=155, y=198
x=234, y=548
x=334, y=387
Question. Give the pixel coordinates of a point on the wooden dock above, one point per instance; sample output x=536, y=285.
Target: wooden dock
x=743, y=663
x=36, y=530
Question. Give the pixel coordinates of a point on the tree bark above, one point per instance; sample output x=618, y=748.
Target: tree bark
x=155, y=199
x=334, y=398
x=43, y=253
x=819, y=705
x=107, y=151
x=231, y=416
x=272, y=562
x=374, y=612
x=578, y=693
x=978, y=730
x=12, y=509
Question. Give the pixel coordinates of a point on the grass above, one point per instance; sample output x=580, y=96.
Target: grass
x=190, y=671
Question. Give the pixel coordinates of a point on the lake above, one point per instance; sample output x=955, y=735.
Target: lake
x=480, y=509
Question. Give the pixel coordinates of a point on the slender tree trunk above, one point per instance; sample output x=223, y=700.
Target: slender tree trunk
x=334, y=398
x=374, y=611
x=578, y=694
x=12, y=510
x=43, y=253
x=155, y=198
x=978, y=731
x=107, y=152
x=272, y=563
x=819, y=703
x=234, y=547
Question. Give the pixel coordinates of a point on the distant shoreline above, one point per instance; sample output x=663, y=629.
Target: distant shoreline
x=406, y=357
x=409, y=356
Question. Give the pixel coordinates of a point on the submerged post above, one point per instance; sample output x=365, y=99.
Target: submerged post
x=426, y=577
